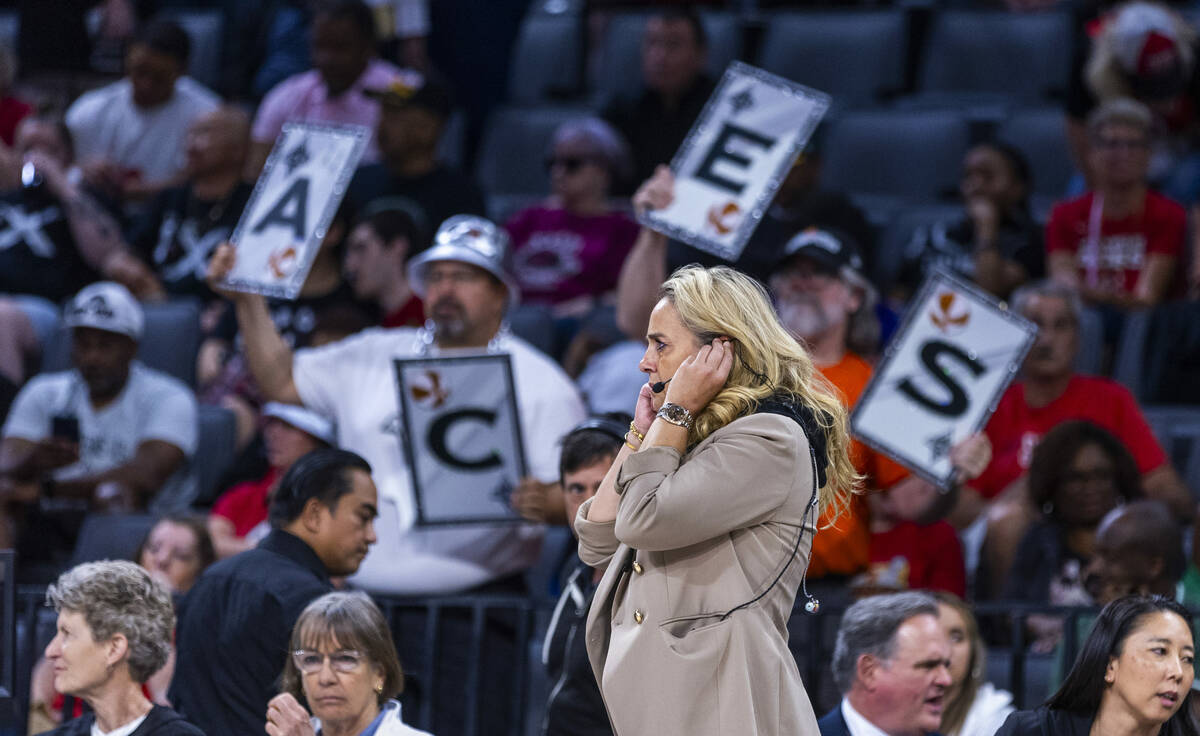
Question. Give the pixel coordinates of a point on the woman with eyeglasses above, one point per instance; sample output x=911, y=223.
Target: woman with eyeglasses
x=343, y=667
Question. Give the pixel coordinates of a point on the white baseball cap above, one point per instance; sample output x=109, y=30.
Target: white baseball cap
x=108, y=306
x=302, y=419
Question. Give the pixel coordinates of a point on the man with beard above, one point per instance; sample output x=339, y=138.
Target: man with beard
x=466, y=291
x=110, y=433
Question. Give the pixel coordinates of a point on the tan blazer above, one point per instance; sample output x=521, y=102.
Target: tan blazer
x=694, y=538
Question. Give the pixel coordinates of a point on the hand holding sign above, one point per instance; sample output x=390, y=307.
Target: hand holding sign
x=656, y=193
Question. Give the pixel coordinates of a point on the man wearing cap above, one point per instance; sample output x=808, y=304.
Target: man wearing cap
x=110, y=432
x=238, y=520
x=345, y=65
x=413, y=114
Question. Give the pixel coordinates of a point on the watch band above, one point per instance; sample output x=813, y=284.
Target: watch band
x=676, y=414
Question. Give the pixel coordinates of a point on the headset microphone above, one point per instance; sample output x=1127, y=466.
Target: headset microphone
x=658, y=386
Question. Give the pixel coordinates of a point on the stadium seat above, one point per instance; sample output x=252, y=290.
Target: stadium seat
x=514, y=147
x=1025, y=56
x=10, y=28
x=856, y=57
x=899, y=233
x=1158, y=355
x=1090, y=359
x=111, y=537
x=618, y=63
x=214, y=451
x=169, y=344
x=1178, y=431
x=534, y=325
x=913, y=155
x=547, y=60
x=205, y=28
x=1040, y=134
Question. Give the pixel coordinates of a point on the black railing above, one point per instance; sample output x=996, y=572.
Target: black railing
x=523, y=619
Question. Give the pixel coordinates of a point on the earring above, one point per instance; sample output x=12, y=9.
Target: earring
x=379, y=689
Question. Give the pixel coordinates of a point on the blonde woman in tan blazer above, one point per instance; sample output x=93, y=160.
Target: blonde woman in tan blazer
x=706, y=517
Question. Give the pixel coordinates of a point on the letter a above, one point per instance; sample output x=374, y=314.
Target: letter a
x=290, y=211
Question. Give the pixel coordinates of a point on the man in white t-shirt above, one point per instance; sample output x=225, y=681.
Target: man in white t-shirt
x=130, y=135
x=466, y=291
x=110, y=433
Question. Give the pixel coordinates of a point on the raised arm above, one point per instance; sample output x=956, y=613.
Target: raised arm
x=645, y=268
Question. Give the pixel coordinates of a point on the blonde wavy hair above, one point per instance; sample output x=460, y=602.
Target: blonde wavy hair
x=719, y=301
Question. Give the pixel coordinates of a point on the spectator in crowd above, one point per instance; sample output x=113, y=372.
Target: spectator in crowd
x=466, y=290
x=238, y=520
x=354, y=695
x=996, y=243
x=575, y=707
x=376, y=259
x=114, y=631
x=1079, y=473
x=568, y=251
x=892, y=664
x=906, y=555
x=110, y=433
x=1132, y=676
x=1049, y=393
x=130, y=136
x=1120, y=243
x=56, y=239
x=658, y=117
x=12, y=109
x=333, y=91
x=184, y=224
x=413, y=116
x=223, y=374
x=264, y=43
x=1138, y=551
x=1148, y=52
x=973, y=706
x=235, y=624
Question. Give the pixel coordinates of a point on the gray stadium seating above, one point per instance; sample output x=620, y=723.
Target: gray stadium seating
x=110, y=537
x=547, y=62
x=857, y=57
x=169, y=344
x=514, y=147
x=895, y=238
x=911, y=155
x=1178, y=431
x=618, y=63
x=214, y=451
x=1041, y=135
x=1025, y=56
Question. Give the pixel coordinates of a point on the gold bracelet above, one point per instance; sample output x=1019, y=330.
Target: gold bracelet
x=633, y=428
x=630, y=444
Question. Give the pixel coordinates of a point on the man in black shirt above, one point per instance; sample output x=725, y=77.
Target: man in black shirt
x=236, y=621
x=184, y=224
x=658, y=117
x=413, y=114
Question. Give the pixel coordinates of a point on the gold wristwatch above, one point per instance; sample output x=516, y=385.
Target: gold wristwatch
x=676, y=414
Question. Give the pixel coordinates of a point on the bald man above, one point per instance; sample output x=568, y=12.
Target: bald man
x=184, y=224
x=1139, y=549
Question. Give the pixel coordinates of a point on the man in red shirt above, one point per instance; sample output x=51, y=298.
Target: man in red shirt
x=1051, y=392
x=1118, y=244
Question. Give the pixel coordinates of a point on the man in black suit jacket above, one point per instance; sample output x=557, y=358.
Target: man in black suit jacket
x=892, y=665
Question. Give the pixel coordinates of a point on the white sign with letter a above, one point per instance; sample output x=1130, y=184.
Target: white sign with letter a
x=294, y=201
x=942, y=376
x=462, y=438
x=735, y=157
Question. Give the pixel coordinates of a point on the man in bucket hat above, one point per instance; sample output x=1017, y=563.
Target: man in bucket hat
x=110, y=432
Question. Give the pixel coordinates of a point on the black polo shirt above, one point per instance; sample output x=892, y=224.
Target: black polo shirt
x=234, y=627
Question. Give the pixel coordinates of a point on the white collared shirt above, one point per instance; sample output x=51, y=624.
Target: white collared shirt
x=856, y=724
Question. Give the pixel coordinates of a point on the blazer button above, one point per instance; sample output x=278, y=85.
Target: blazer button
x=637, y=567
x=638, y=616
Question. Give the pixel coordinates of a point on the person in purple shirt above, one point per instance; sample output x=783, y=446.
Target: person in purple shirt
x=568, y=251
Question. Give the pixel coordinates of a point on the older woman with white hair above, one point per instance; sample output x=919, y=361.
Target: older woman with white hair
x=114, y=631
x=568, y=251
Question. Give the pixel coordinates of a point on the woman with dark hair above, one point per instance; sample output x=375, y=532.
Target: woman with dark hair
x=1079, y=473
x=176, y=550
x=996, y=243
x=1131, y=678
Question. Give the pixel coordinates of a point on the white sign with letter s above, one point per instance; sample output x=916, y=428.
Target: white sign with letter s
x=942, y=376
x=735, y=157
x=462, y=438
x=294, y=201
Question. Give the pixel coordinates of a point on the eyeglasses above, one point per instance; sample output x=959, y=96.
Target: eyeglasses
x=310, y=661
x=570, y=164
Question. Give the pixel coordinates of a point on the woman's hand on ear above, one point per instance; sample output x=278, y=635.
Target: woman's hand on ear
x=643, y=411
x=702, y=376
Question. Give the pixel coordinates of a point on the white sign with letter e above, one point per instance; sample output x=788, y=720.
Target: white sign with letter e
x=462, y=438
x=735, y=157
x=942, y=376
x=293, y=203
